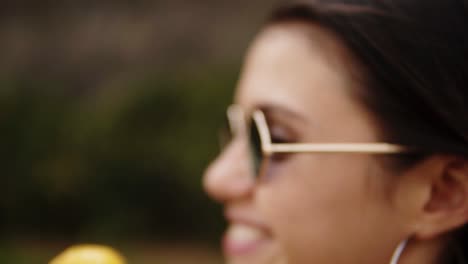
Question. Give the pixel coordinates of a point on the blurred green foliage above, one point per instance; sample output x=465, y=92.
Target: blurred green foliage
x=109, y=114
x=123, y=161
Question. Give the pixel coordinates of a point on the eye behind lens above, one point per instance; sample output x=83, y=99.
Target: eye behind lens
x=255, y=145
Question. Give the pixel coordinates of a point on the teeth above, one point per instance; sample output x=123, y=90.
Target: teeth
x=242, y=233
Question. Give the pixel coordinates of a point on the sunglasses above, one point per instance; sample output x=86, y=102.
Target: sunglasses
x=262, y=148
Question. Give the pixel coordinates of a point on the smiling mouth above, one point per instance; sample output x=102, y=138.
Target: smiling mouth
x=243, y=239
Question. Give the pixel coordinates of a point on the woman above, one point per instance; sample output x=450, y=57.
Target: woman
x=350, y=138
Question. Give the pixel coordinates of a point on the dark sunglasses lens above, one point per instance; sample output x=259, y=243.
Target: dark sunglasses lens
x=255, y=148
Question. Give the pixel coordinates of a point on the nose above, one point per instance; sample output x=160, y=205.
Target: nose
x=229, y=176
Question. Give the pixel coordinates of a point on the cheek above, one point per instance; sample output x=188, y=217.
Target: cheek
x=316, y=206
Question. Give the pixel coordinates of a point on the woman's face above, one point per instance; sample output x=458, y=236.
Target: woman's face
x=309, y=208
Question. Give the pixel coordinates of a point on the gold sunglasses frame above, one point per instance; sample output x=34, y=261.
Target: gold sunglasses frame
x=237, y=122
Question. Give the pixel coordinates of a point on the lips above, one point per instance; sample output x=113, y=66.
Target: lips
x=243, y=239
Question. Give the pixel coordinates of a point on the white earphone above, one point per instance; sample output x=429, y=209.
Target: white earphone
x=398, y=251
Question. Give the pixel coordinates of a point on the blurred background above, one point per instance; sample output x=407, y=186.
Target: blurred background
x=109, y=113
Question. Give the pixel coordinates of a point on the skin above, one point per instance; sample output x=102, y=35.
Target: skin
x=319, y=208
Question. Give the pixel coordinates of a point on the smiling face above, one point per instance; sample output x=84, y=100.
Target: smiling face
x=310, y=208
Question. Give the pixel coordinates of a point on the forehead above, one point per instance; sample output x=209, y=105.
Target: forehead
x=294, y=62
x=305, y=69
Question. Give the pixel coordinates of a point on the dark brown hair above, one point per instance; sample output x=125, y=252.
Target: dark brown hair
x=415, y=55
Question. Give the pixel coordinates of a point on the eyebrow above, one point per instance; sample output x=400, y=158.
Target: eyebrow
x=279, y=109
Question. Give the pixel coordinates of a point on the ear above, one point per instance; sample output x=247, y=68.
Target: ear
x=446, y=206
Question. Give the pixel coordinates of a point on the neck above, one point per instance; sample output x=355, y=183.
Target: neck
x=423, y=252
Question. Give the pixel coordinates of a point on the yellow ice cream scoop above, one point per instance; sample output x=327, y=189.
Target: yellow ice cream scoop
x=89, y=254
